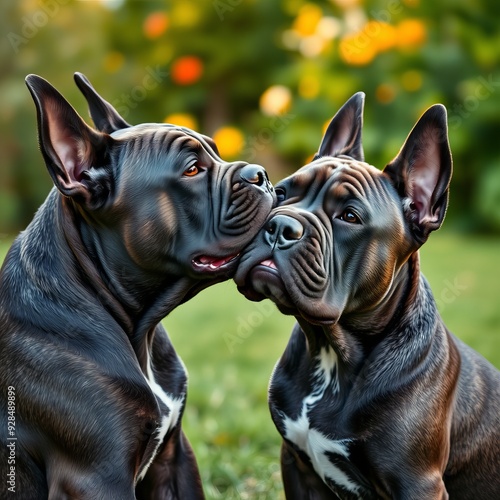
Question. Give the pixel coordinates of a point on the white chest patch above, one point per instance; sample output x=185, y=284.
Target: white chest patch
x=316, y=445
x=168, y=421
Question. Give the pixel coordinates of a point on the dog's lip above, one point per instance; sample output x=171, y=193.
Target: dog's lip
x=266, y=266
x=209, y=263
x=285, y=303
x=268, y=263
x=263, y=281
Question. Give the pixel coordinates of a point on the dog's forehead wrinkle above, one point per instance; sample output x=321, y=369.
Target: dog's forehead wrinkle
x=327, y=170
x=148, y=154
x=163, y=137
x=360, y=183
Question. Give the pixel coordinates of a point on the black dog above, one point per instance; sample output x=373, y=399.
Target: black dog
x=373, y=396
x=142, y=219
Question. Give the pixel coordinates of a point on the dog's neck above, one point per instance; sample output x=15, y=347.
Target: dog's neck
x=137, y=299
x=355, y=335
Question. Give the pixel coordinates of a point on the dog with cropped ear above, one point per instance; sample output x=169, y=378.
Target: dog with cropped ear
x=140, y=219
x=373, y=396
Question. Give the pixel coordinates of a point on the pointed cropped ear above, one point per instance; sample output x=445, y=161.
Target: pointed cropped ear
x=71, y=148
x=343, y=134
x=104, y=115
x=421, y=172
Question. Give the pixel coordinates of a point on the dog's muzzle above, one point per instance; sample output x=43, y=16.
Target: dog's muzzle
x=259, y=275
x=247, y=198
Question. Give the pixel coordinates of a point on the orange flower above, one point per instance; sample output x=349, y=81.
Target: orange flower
x=182, y=120
x=361, y=48
x=411, y=33
x=306, y=22
x=357, y=49
x=186, y=70
x=155, y=25
x=229, y=141
x=383, y=34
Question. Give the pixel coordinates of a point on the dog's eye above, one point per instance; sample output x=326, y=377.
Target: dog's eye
x=193, y=170
x=348, y=215
x=280, y=194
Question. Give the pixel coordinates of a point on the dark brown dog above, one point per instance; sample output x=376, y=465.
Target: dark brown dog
x=141, y=219
x=373, y=396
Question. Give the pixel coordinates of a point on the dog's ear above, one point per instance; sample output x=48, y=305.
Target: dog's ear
x=343, y=134
x=421, y=172
x=104, y=115
x=74, y=153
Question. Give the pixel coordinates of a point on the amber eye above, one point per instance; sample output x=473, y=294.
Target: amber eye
x=349, y=216
x=192, y=171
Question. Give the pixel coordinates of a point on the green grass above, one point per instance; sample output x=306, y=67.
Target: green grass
x=230, y=346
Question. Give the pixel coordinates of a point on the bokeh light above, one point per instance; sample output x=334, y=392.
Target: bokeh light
x=155, y=25
x=186, y=70
x=182, y=120
x=276, y=100
x=230, y=141
x=411, y=33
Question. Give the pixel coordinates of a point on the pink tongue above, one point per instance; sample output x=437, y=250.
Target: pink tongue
x=214, y=262
x=269, y=263
x=218, y=263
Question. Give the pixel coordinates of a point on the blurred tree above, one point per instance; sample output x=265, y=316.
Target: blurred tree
x=263, y=77
x=38, y=37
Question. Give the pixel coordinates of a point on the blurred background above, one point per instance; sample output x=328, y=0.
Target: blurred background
x=263, y=78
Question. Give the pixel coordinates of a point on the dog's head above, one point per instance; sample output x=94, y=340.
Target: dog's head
x=343, y=228
x=160, y=191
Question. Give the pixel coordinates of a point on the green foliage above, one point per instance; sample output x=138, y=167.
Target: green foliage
x=488, y=198
x=405, y=54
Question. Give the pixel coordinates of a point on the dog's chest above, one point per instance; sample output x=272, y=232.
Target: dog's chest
x=171, y=407
x=329, y=456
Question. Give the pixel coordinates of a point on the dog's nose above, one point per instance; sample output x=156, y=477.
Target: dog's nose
x=254, y=174
x=284, y=231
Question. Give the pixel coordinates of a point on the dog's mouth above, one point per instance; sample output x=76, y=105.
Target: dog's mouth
x=264, y=281
x=210, y=264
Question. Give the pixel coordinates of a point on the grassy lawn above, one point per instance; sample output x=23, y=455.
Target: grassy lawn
x=230, y=346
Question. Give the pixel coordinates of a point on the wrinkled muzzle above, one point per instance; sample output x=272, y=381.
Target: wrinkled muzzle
x=241, y=199
x=289, y=262
x=247, y=202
